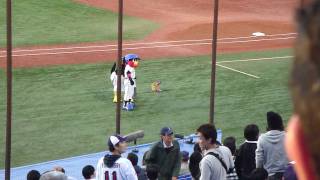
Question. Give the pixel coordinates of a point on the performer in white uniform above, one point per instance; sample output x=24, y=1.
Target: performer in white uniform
x=114, y=79
x=113, y=166
x=130, y=80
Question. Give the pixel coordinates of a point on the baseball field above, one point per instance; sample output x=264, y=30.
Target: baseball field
x=62, y=95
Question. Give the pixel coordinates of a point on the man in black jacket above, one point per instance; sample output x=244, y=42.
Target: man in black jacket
x=165, y=155
x=245, y=160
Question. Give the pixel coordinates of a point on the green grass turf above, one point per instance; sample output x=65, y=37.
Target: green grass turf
x=66, y=111
x=38, y=22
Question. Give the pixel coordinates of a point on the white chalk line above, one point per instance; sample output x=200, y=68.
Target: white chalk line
x=249, y=60
x=255, y=59
x=146, y=47
x=147, y=43
x=241, y=72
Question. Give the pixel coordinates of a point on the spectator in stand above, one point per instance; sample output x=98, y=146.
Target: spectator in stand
x=194, y=162
x=245, y=160
x=144, y=158
x=53, y=175
x=33, y=175
x=230, y=142
x=259, y=174
x=217, y=159
x=140, y=172
x=88, y=172
x=114, y=166
x=184, y=162
x=302, y=140
x=152, y=172
x=270, y=153
x=166, y=155
x=61, y=169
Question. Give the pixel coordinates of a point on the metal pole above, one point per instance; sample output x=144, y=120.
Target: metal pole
x=214, y=60
x=119, y=66
x=9, y=91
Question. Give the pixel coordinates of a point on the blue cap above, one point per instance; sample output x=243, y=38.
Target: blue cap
x=130, y=56
x=166, y=131
x=115, y=139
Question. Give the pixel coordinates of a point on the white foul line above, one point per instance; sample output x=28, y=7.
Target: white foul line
x=241, y=72
x=256, y=59
x=145, y=47
x=147, y=43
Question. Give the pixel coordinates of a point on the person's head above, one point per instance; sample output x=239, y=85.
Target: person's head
x=33, y=175
x=251, y=132
x=194, y=162
x=152, y=172
x=302, y=142
x=117, y=144
x=274, y=121
x=230, y=142
x=145, y=157
x=53, y=175
x=207, y=136
x=88, y=172
x=60, y=169
x=184, y=156
x=133, y=158
x=166, y=134
x=259, y=174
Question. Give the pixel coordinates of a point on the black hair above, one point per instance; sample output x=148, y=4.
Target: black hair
x=208, y=131
x=33, y=175
x=88, y=171
x=144, y=157
x=251, y=132
x=152, y=172
x=111, y=147
x=259, y=174
x=196, y=148
x=133, y=158
x=274, y=121
x=230, y=142
x=194, y=162
x=63, y=170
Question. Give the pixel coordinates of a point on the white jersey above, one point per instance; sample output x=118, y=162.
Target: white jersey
x=121, y=170
x=129, y=69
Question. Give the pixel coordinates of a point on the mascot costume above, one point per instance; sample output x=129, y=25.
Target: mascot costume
x=131, y=61
x=114, y=78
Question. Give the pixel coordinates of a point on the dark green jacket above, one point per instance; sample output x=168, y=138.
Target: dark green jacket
x=169, y=164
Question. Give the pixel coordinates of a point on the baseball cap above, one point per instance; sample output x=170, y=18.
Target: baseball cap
x=115, y=139
x=130, y=56
x=166, y=131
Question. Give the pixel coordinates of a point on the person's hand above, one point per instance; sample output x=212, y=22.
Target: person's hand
x=174, y=178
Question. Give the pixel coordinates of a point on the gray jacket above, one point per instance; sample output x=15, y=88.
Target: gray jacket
x=270, y=152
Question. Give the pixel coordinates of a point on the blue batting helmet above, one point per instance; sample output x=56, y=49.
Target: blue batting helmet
x=130, y=57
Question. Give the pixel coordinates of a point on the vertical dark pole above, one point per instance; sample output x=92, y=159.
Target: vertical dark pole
x=214, y=60
x=9, y=92
x=119, y=66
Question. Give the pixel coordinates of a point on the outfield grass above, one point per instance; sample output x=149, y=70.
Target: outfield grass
x=38, y=22
x=65, y=111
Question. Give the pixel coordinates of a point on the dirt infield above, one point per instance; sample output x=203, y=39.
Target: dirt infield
x=185, y=31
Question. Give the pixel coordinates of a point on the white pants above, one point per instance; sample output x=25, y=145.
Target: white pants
x=114, y=79
x=128, y=90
